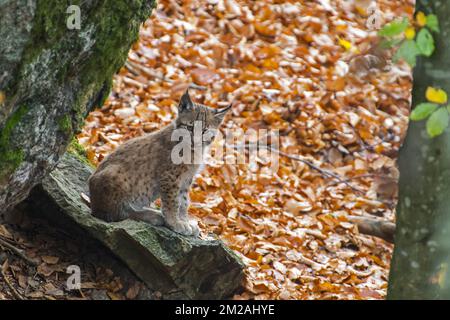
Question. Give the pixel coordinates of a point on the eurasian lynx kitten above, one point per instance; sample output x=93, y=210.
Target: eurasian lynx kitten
x=142, y=169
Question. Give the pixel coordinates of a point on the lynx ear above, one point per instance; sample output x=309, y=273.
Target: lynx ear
x=220, y=113
x=185, y=102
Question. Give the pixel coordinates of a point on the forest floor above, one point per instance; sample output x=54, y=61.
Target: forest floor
x=34, y=264
x=290, y=66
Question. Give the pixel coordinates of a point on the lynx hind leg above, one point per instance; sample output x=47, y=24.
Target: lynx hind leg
x=149, y=215
x=170, y=208
x=105, y=198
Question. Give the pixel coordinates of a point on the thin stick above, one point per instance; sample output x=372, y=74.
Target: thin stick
x=11, y=287
x=320, y=170
x=369, y=175
x=17, y=251
x=324, y=172
x=132, y=66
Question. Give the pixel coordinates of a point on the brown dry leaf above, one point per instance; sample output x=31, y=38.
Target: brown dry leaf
x=283, y=65
x=295, y=207
x=22, y=280
x=245, y=224
x=2, y=97
x=51, y=290
x=133, y=291
x=5, y=266
x=336, y=85
x=35, y=294
x=45, y=270
x=114, y=296
x=50, y=259
x=368, y=293
x=203, y=76
x=4, y=232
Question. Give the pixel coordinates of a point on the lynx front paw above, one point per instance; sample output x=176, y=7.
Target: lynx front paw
x=184, y=227
x=194, y=226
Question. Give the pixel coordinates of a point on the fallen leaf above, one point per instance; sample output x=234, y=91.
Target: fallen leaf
x=50, y=259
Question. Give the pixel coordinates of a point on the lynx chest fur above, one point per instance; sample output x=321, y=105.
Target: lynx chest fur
x=145, y=168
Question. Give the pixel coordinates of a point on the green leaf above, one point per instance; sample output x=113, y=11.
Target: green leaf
x=425, y=42
x=390, y=43
x=408, y=52
x=438, y=122
x=433, y=22
x=394, y=28
x=423, y=111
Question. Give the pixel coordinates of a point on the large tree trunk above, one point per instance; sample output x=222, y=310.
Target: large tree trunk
x=420, y=266
x=51, y=77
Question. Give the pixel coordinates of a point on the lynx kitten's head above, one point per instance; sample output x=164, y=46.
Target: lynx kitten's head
x=199, y=119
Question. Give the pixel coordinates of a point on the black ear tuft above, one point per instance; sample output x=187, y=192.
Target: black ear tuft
x=220, y=113
x=185, y=102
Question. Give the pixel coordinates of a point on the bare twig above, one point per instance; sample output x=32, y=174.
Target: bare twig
x=10, y=285
x=137, y=68
x=17, y=252
x=309, y=163
x=197, y=87
x=368, y=175
x=324, y=172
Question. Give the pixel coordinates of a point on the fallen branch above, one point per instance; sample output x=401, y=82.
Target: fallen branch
x=375, y=227
x=17, y=252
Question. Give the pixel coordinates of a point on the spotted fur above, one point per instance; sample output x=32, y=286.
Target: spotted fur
x=141, y=170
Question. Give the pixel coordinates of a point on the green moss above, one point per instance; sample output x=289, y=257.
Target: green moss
x=111, y=40
x=85, y=59
x=110, y=52
x=79, y=110
x=65, y=125
x=10, y=157
x=77, y=150
x=50, y=24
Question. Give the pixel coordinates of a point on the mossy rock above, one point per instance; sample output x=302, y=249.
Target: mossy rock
x=177, y=266
x=51, y=77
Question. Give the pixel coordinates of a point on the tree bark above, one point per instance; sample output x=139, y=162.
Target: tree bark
x=420, y=265
x=51, y=76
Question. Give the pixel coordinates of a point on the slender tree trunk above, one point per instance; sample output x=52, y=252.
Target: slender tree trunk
x=420, y=265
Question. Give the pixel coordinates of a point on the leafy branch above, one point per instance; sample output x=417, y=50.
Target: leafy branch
x=413, y=39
